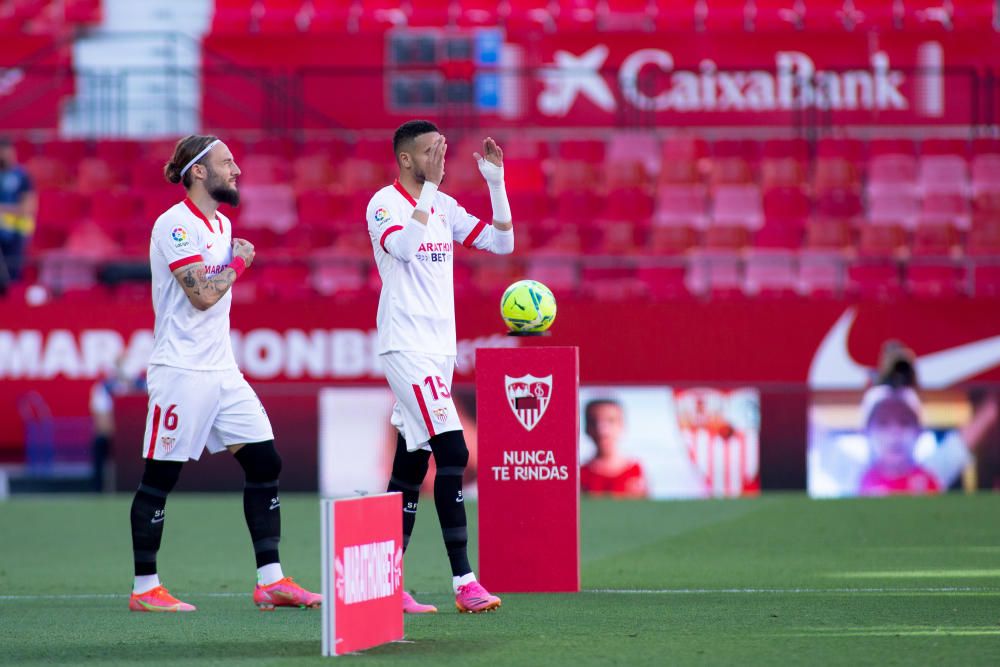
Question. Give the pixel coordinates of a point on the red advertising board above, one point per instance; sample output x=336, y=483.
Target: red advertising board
x=529, y=493
x=60, y=349
x=657, y=79
x=362, y=542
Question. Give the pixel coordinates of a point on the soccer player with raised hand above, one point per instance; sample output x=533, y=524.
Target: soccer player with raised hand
x=414, y=228
x=197, y=396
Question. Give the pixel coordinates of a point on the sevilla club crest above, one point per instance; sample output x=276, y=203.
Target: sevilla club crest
x=528, y=397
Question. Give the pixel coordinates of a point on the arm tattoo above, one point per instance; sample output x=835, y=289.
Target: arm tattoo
x=195, y=281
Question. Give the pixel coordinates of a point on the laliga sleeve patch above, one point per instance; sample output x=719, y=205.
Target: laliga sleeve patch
x=382, y=215
x=180, y=237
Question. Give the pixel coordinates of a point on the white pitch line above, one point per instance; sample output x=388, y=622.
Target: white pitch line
x=602, y=591
x=711, y=591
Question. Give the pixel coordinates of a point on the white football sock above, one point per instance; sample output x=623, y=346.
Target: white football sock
x=269, y=574
x=145, y=582
x=464, y=580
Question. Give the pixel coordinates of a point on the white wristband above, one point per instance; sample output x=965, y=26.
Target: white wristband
x=501, y=205
x=426, y=201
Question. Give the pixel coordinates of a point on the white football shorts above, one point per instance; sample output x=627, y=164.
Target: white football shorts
x=421, y=384
x=191, y=410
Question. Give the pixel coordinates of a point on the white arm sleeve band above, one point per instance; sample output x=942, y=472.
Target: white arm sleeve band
x=501, y=205
x=403, y=244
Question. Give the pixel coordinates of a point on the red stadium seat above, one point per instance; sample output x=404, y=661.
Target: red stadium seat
x=948, y=174
x=312, y=171
x=894, y=208
x=892, y=173
x=852, y=150
x=730, y=171
x=118, y=211
x=941, y=240
x=491, y=274
x=873, y=15
x=770, y=273
x=882, y=241
x=356, y=175
x=782, y=173
x=937, y=146
x=268, y=207
x=576, y=15
x=332, y=16
x=263, y=170
x=785, y=213
x=673, y=240
x=675, y=172
x=737, y=206
x=663, y=283
x=376, y=15
x=433, y=13
x=574, y=175
x=779, y=15
x=232, y=16
x=880, y=281
x=795, y=149
x=985, y=146
x=935, y=279
x=835, y=173
x=985, y=279
x=119, y=153
x=95, y=175
x=714, y=272
x=828, y=233
x=986, y=173
x=839, y=204
x=681, y=206
x=486, y=13
x=822, y=272
x=888, y=146
x=633, y=204
x=530, y=15
x=59, y=211
x=941, y=208
x=46, y=171
x=681, y=16
x=572, y=206
x=625, y=15
x=70, y=151
x=582, y=149
x=984, y=237
x=334, y=273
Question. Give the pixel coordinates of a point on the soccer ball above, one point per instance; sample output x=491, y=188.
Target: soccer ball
x=528, y=306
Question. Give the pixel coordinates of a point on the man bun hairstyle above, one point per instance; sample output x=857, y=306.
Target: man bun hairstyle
x=185, y=151
x=408, y=131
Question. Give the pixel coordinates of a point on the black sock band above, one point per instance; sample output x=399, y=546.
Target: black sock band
x=149, y=512
x=451, y=456
x=261, y=503
x=408, y=472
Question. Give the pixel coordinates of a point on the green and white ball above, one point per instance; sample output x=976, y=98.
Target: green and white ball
x=528, y=306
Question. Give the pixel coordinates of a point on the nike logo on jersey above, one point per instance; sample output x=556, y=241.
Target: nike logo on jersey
x=833, y=367
x=208, y=246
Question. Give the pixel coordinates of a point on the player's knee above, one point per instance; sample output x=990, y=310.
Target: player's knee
x=410, y=468
x=160, y=477
x=450, y=450
x=260, y=461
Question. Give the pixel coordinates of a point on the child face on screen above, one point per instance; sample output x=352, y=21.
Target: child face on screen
x=893, y=431
x=605, y=425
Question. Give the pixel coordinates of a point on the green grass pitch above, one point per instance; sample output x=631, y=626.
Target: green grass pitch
x=769, y=581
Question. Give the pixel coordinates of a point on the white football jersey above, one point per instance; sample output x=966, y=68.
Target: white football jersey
x=185, y=337
x=416, y=309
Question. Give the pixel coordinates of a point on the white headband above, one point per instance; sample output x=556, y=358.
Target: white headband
x=199, y=156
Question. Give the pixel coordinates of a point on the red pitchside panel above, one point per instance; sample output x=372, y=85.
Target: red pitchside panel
x=529, y=493
x=362, y=572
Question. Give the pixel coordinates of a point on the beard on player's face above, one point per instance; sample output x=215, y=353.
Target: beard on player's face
x=221, y=191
